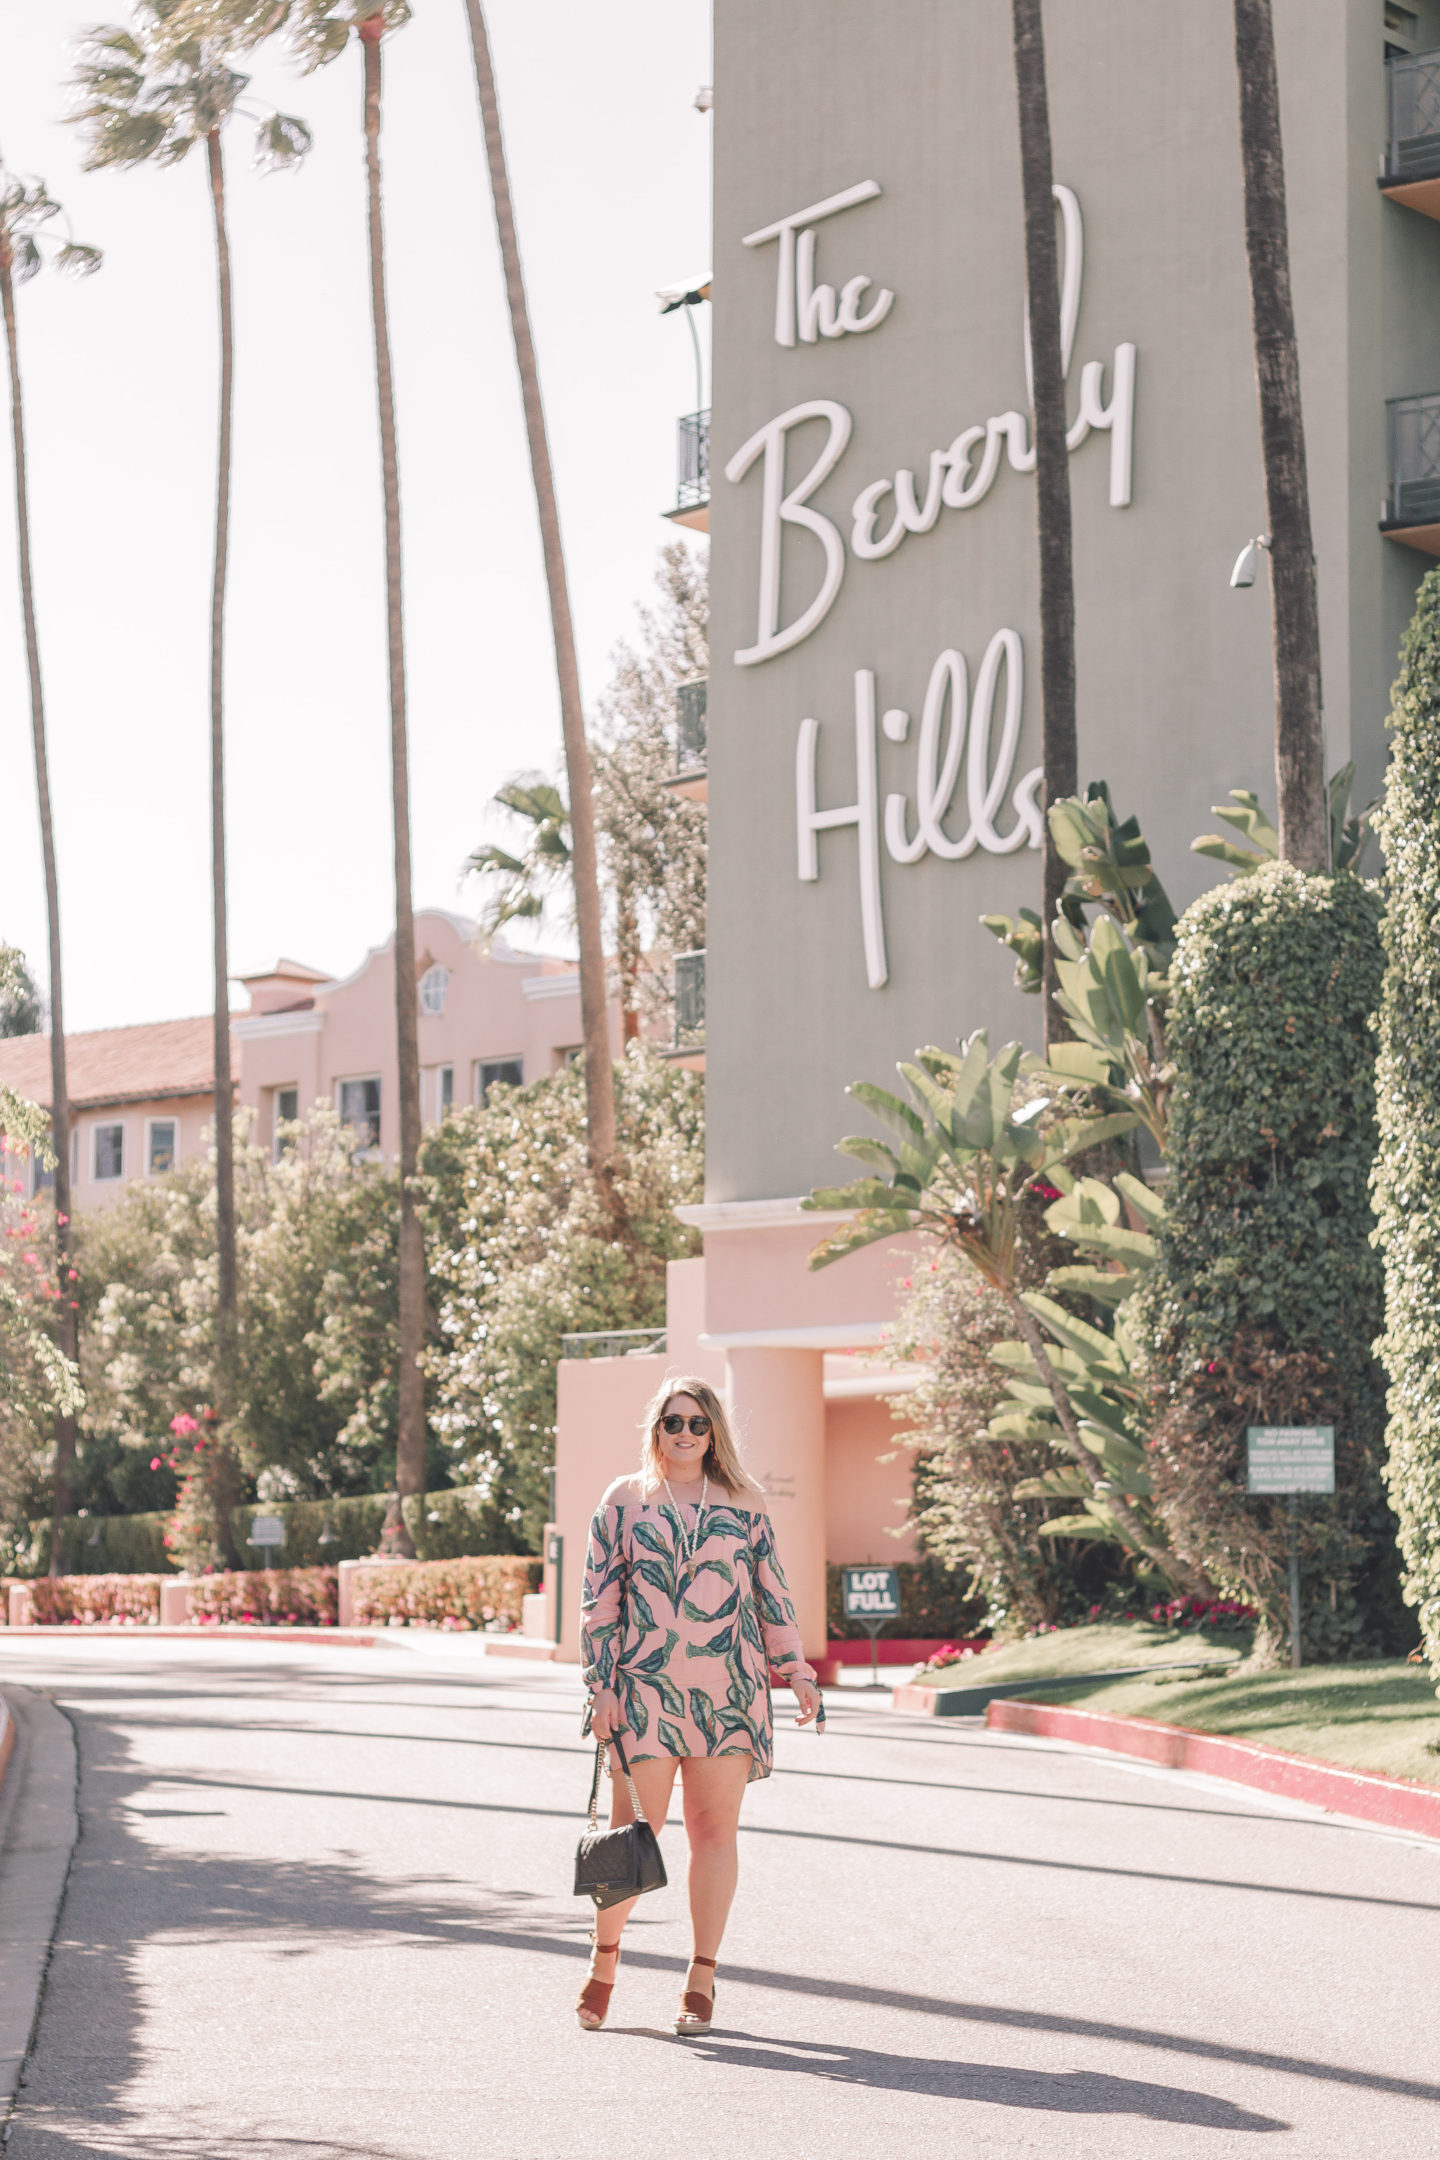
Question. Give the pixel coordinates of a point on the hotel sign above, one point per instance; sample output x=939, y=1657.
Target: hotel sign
x=967, y=742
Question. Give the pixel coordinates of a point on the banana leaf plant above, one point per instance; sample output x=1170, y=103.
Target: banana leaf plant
x=1113, y=997
x=1110, y=868
x=967, y=1157
x=1098, y=1369
x=1349, y=830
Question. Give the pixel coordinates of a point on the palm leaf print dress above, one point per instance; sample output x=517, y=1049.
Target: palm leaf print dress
x=688, y=1648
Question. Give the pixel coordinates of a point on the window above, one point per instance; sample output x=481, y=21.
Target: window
x=433, y=985
x=286, y=1110
x=108, y=1160
x=502, y=1072
x=360, y=1109
x=444, y=1092
x=162, y=1146
x=569, y=1055
x=74, y=1155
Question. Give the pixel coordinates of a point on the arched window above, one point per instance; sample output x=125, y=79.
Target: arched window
x=433, y=985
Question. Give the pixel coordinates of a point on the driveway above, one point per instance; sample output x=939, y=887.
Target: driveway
x=320, y=1907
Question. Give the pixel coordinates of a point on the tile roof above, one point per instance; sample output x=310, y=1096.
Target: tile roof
x=116, y=1065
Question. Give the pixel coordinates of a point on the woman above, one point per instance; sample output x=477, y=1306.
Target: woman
x=684, y=1611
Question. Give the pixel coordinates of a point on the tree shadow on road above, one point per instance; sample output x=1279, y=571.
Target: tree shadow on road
x=1065, y=2092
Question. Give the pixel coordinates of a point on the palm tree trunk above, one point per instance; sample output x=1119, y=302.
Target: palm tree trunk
x=410, y=1385
x=68, y=1329
x=226, y=1302
x=1052, y=471
x=1295, y=611
x=594, y=1016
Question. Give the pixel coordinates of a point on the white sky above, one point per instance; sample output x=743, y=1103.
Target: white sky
x=610, y=172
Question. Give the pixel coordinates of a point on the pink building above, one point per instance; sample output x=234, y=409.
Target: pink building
x=506, y=1017
x=142, y=1098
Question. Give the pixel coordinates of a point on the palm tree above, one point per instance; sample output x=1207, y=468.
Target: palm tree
x=26, y=211
x=1295, y=611
x=319, y=31
x=519, y=885
x=594, y=1017
x=149, y=96
x=1052, y=472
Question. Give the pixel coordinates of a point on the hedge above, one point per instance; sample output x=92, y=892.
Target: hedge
x=268, y=1597
x=95, y=1600
x=443, y=1525
x=932, y=1603
x=1267, y=1298
x=482, y=1592
x=1407, y=1173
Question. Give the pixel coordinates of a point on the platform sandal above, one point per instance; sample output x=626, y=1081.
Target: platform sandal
x=595, y=1995
x=696, y=2010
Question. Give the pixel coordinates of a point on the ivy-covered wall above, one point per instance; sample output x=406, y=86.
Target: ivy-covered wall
x=1407, y=1174
x=1268, y=1298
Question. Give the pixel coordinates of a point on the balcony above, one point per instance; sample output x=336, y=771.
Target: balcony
x=1412, y=164
x=689, y=778
x=615, y=1342
x=1412, y=507
x=692, y=473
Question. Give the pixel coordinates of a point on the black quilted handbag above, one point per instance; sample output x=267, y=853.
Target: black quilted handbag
x=612, y=1865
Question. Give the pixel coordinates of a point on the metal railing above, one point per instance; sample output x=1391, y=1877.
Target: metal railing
x=689, y=1000
x=692, y=461
x=615, y=1342
x=1414, y=98
x=691, y=699
x=1414, y=497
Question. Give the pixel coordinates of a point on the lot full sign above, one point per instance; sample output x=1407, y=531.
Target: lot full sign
x=871, y=1595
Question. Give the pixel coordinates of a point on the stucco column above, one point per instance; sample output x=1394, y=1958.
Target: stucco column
x=777, y=1401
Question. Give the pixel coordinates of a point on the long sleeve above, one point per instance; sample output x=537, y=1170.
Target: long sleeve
x=601, y=1599
x=773, y=1608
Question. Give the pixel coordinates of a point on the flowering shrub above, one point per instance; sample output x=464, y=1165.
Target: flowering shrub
x=198, y=1536
x=267, y=1597
x=95, y=1600
x=1225, y=1614
x=951, y=1653
x=476, y=1593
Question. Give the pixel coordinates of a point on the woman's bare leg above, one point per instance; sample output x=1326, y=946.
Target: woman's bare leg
x=654, y=1781
x=714, y=1786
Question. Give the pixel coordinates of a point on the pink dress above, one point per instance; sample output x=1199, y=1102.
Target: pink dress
x=687, y=1646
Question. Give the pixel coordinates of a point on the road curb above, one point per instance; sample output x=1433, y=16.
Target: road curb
x=1369, y=1795
x=38, y=1828
x=923, y=1699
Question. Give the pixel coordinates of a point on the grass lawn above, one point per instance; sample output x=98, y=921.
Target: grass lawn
x=1369, y=1717
x=1104, y=1648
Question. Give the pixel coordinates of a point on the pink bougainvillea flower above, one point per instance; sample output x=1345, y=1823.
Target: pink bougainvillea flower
x=183, y=1424
x=155, y=1465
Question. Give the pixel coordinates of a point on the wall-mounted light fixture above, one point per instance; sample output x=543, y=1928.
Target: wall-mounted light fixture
x=1247, y=562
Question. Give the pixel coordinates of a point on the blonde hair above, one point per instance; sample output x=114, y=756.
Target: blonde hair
x=722, y=1464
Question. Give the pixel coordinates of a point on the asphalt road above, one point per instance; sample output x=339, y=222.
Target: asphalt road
x=319, y=1907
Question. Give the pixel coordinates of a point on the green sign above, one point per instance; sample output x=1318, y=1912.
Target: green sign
x=870, y=1594
x=1290, y=1458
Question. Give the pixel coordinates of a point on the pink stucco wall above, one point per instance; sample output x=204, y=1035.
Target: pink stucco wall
x=866, y=1497
x=761, y=1278
x=194, y=1115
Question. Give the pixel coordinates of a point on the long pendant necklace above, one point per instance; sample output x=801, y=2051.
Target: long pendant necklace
x=690, y=1545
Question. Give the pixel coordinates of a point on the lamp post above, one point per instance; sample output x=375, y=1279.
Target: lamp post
x=689, y=296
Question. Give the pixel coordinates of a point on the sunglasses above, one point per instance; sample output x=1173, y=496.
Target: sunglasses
x=675, y=1424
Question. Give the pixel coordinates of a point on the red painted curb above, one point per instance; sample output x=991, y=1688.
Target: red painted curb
x=7, y=1737
x=1372, y=1795
x=223, y=1632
